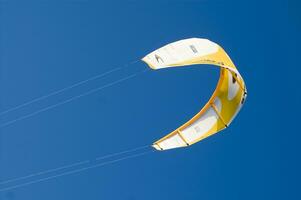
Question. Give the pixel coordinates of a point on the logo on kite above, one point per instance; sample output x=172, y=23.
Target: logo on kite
x=192, y=47
x=158, y=58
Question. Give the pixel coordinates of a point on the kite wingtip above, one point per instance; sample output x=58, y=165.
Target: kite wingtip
x=147, y=61
x=157, y=147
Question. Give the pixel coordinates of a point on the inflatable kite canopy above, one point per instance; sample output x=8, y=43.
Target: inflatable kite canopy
x=224, y=104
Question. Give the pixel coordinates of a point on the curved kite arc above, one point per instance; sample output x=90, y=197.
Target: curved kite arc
x=224, y=104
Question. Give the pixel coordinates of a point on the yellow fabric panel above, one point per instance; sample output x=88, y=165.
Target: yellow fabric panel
x=229, y=106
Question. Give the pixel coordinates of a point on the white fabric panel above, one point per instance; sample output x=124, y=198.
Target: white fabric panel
x=180, y=51
x=172, y=142
x=233, y=87
x=238, y=109
x=218, y=104
x=201, y=126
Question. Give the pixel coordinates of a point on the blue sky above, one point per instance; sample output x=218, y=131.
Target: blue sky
x=48, y=45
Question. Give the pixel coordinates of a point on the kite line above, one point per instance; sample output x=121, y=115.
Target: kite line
x=84, y=165
x=77, y=166
x=72, y=99
x=65, y=88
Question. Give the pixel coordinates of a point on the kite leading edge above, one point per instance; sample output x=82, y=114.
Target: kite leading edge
x=224, y=104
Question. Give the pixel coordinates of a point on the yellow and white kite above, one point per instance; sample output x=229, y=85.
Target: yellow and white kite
x=224, y=104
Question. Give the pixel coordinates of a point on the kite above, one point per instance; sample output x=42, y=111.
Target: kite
x=223, y=106
x=225, y=102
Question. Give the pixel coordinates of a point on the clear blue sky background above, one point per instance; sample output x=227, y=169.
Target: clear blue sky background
x=47, y=45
